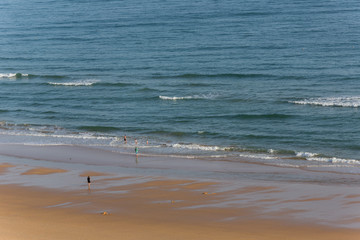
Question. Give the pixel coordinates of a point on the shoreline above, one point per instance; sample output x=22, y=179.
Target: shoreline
x=202, y=167
x=167, y=199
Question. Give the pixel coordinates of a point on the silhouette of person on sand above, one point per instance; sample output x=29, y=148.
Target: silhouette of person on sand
x=89, y=182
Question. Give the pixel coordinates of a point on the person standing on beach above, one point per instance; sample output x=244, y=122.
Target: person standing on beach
x=125, y=139
x=89, y=182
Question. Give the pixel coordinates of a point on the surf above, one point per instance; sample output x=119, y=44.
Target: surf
x=353, y=102
x=78, y=83
x=189, y=97
x=13, y=75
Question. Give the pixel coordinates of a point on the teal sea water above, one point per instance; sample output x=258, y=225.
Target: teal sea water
x=270, y=81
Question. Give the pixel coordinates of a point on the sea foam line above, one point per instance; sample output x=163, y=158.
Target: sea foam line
x=88, y=82
x=197, y=96
x=316, y=157
x=331, y=102
x=198, y=147
x=13, y=75
x=84, y=136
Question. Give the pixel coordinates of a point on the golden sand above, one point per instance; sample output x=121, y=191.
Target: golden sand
x=158, y=212
x=142, y=207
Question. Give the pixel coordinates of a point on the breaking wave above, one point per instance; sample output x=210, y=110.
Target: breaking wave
x=88, y=82
x=13, y=75
x=197, y=96
x=319, y=158
x=199, y=147
x=331, y=102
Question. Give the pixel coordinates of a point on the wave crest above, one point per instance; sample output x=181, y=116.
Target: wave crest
x=199, y=147
x=318, y=158
x=89, y=82
x=196, y=97
x=13, y=75
x=331, y=102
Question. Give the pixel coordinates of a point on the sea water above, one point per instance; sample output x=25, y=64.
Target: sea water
x=269, y=81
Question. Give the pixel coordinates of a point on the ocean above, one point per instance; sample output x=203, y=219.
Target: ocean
x=274, y=82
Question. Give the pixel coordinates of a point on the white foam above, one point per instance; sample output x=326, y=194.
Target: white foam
x=272, y=151
x=13, y=75
x=197, y=96
x=306, y=154
x=84, y=136
x=317, y=158
x=88, y=82
x=258, y=156
x=174, y=98
x=331, y=101
x=198, y=147
x=334, y=160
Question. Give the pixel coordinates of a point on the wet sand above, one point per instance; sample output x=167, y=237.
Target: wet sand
x=50, y=200
x=32, y=213
x=43, y=171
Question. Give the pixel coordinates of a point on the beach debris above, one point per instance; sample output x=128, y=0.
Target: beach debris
x=105, y=213
x=206, y=193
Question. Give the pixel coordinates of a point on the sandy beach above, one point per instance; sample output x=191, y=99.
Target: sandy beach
x=179, y=120
x=142, y=198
